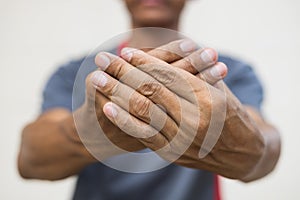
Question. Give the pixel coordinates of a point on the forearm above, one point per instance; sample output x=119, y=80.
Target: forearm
x=51, y=149
x=271, y=153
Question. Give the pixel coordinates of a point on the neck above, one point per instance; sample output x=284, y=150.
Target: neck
x=151, y=37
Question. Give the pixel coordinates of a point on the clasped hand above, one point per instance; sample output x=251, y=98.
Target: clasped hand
x=191, y=120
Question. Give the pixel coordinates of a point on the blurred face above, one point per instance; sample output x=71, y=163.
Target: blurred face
x=155, y=13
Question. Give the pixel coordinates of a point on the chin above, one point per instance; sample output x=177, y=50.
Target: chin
x=155, y=21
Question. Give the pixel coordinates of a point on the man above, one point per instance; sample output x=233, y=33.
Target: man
x=54, y=146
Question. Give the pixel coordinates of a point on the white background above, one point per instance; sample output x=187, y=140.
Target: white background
x=37, y=35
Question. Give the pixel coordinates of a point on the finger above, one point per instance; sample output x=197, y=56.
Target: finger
x=97, y=100
x=214, y=74
x=141, y=82
x=147, y=135
x=94, y=98
x=179, y=81
x=90, y=90
x=133, y=126
x=197, y=61
x=135, y=103
x=174, y=51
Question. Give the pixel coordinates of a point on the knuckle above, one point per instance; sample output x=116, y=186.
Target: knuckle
x=142, y=107
x=207, y=77
x=201, y=76
x=117, y=66
x=168, y=77
x=138, y=58
x=188, y=66
x=115, y=89
x=157, y=142
x=151, y=140
x=150, y=89
x=170, y=55
x=165, y=75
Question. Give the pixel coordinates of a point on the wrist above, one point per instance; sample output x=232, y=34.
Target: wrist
x=69, y=130
x=242, y=138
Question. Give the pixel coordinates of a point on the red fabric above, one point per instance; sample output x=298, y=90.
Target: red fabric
x=217, y=191
x=120, y=47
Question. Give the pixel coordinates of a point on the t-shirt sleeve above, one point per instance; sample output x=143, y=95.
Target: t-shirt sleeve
x=244, y=83
x=58, y=90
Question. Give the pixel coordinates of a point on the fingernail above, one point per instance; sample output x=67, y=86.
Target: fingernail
x=187, y=46
x=127, y=53
x=110, y=110
x=99, y=79
x=207, y=55
x=219, y=70
x=102, y=61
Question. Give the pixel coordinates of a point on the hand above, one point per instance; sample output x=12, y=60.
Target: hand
x=172, y=100
x=88, y=127
x=95, y=101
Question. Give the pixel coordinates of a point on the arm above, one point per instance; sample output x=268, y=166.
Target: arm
x=50, y=147
x=271, y=153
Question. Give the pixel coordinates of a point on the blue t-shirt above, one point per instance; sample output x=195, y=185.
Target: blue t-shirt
x=99, y=182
